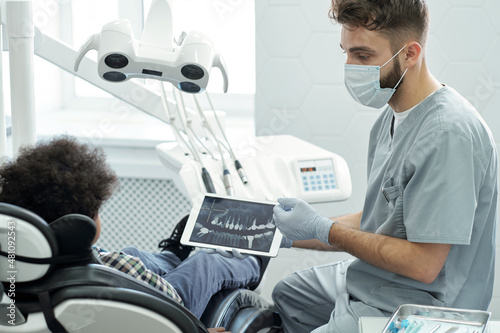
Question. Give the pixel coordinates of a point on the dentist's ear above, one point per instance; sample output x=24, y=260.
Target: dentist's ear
x=412, y=54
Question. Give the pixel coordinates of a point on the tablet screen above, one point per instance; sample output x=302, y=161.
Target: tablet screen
x=227, y=222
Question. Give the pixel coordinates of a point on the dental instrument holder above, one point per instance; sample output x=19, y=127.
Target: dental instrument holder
x=272, y=164
x=121, y=57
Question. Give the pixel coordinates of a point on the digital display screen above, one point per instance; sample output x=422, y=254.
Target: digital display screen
x=237, y=224
x=308, y=169
x=322, y=165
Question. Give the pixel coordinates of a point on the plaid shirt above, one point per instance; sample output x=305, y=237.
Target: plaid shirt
x=134, y=267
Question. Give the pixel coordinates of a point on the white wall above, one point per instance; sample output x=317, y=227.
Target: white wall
x=300, y=73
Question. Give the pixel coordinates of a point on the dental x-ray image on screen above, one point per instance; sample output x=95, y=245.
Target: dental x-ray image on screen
x=232, y=223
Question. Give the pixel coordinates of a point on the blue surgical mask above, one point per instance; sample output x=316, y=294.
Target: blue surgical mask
x=363, y=83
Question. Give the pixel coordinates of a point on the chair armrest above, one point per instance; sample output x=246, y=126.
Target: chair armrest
x=239, y=308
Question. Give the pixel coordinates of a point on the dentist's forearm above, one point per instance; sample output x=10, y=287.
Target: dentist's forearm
x=419, y=261
x=313, y=244
x=351, y=221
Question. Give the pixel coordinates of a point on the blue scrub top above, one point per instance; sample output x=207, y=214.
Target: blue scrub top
x=433, y=181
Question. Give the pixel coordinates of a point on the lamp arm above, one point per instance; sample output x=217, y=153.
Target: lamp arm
x=158, y=28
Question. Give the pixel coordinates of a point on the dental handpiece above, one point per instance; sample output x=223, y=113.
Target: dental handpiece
x=207, y=180
x=241, y=172
x=228, y=183
x=237, y=163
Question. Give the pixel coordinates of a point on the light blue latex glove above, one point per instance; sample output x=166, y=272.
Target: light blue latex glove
x=233, y=254
x=297, y=220
x=286, y=243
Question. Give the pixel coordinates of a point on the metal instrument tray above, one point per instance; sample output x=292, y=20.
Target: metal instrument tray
x=445, y=319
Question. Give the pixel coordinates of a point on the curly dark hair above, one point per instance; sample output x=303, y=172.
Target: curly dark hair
x=398, y=20
x=58, y=177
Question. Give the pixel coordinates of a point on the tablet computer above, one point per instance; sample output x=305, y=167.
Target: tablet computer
x=225, y=222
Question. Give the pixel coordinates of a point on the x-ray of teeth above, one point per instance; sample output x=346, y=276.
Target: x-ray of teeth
x=244, y=225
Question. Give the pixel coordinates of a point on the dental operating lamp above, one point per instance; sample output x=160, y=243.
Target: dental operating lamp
x=186, y=63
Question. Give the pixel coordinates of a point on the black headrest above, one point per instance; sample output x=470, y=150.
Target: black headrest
x=74, y=234
x=26, y=215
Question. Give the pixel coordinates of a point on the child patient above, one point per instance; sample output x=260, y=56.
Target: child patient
x=63, y=176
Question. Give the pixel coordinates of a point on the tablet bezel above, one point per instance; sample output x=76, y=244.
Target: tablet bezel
x=193, y=217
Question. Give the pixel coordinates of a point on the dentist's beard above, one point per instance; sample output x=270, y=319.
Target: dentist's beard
x=392, y=78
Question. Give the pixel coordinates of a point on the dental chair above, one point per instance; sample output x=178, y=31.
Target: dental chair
x=55, y=284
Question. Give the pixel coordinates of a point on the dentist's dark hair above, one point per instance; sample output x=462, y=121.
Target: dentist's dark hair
x=398, y=20
x=58, y=177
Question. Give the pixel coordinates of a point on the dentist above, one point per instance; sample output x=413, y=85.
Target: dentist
x=426, y=234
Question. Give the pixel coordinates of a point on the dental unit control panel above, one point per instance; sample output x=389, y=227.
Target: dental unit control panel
x=276, y=166
x=316, y=177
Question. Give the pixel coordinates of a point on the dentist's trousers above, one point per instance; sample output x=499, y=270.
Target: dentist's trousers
x=316, y=300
